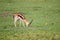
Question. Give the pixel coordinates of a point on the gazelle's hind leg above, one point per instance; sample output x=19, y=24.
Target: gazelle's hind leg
x=15, y=19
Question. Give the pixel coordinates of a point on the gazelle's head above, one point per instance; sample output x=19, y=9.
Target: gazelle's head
x=28, y=24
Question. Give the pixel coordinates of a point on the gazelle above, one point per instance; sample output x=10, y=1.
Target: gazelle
x=22, y=18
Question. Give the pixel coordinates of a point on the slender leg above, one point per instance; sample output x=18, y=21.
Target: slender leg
x=23, y=24
x=15, y=19
x=26, y=25
x=20, y=23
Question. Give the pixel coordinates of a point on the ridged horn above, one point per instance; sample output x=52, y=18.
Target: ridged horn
x=30, y=22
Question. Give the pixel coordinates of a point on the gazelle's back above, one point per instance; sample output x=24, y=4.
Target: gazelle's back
x=19, y=15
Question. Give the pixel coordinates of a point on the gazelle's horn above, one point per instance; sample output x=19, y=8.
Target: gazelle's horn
x=30, y=22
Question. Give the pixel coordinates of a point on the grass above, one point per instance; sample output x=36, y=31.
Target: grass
x=45, y=15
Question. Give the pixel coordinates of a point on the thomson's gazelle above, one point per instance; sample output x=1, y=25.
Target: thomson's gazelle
x=22, y=18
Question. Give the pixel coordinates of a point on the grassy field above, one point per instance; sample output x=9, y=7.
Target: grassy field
x=45, y=15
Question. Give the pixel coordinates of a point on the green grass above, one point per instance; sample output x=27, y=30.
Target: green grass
x=45, y=15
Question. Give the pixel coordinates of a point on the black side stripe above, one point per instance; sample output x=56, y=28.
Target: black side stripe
x=20, y=16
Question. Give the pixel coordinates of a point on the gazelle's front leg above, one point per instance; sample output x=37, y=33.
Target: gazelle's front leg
x=22, y=23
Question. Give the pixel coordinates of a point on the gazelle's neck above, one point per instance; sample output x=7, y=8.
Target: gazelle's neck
x=27, y=22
